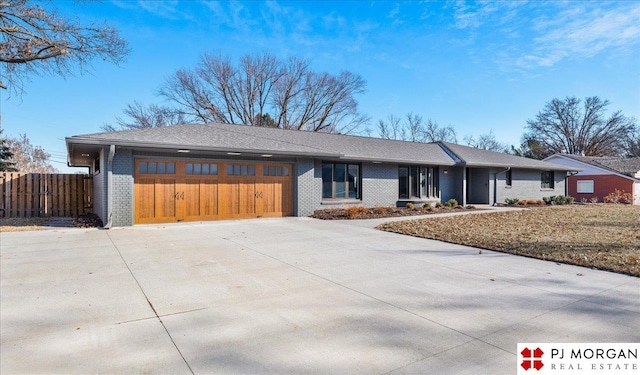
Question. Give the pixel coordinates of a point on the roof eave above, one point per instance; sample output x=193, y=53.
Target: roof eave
x=191, y=148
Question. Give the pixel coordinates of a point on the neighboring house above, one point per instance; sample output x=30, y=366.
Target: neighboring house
x=220, y=171
x=600, y=176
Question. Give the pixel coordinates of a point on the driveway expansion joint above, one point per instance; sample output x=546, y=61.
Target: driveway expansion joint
x=150, y=304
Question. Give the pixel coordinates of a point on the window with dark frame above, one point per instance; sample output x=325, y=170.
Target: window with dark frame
x=508, y=178
x=241, y=170
x=341, y=181
x=201, y=169
x=547, y=180
x=153, y=167
x=96, y=165
x=418, y=182
x=275, y=171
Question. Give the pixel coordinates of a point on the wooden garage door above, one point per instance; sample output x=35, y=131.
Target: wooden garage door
x=177, y=190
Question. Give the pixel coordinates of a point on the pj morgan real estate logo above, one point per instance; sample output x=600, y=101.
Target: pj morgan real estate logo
x=578, y=358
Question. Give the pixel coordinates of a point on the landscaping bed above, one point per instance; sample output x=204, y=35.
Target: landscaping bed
x=21, y=224
x=359, y=212
x=602, y=236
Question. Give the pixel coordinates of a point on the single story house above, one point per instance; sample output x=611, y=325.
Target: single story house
x=222, y=171
x=600, y=176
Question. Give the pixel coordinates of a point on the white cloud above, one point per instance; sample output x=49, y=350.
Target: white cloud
x=528, y=35
x=579, y=33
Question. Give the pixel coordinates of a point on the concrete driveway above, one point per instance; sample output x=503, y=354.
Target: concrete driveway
x=291, y=295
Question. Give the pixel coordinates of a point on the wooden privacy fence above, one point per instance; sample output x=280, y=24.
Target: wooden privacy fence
x=45, y=194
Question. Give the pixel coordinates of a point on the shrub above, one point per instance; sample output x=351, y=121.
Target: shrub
x=471, y=207
x=594, y=200
x=540, y=202
x=619, y=196
x=452, y=203
x=532, y=202
x=558, y=199
x=522, y=202
x=354, y=212
x=426, y=205
x=511, y=201
x=410, y=206
x=379, y=210
x=458, y=207
x=564, y=199
x=439, y=205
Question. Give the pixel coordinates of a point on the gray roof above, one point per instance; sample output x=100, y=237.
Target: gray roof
x=220, y=138
x=476, y=157
x=625, y=166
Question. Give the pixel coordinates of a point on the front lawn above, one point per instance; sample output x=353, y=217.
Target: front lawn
x=602, y=236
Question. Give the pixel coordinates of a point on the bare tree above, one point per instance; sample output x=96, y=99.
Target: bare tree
x=29, y=158
x=564, y=126
x=415, y=129
x=435, y=132
x=632, y=143
x=151, y=116
x=35, y=40
x=487, y=141
x=392, y=128
x=288, y=91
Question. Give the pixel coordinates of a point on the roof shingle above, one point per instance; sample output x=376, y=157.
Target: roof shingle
x=251, y=139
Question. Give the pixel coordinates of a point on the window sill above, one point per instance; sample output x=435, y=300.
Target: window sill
x=547, y=189
x=337, y=202
x=416, y=199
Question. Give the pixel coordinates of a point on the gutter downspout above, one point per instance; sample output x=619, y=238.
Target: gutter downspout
x=112, y=152
x=566, y=181
x=495, y=185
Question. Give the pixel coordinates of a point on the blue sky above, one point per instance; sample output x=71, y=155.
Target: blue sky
x=479, y=67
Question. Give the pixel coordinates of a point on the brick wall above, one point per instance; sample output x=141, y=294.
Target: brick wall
x=602, y=186
x=305, y=192
x=526, y=185
x=122, y=185
x=379, y=184
x=379, y=187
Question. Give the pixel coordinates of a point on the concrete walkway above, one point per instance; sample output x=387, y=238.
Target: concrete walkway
x=482, y=209
x=286, y=296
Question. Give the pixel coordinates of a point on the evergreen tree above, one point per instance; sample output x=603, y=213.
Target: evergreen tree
x=6, y=156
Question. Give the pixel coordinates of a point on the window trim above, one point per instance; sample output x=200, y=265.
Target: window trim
x=547, y=180
x=508, y=178
x=347, y=186
x=421, y=184
x=589, y=182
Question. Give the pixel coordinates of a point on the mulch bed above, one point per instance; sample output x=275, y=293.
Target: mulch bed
x=87, y=221
x=359, y=212
x=21, y=224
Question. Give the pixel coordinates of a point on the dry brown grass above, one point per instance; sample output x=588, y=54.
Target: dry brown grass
x=601, y=236
x=20, y=224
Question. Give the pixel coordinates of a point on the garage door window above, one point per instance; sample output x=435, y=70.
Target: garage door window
x=241, y=170
x=201, y=169
x=153, y=167
x=273, y=171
